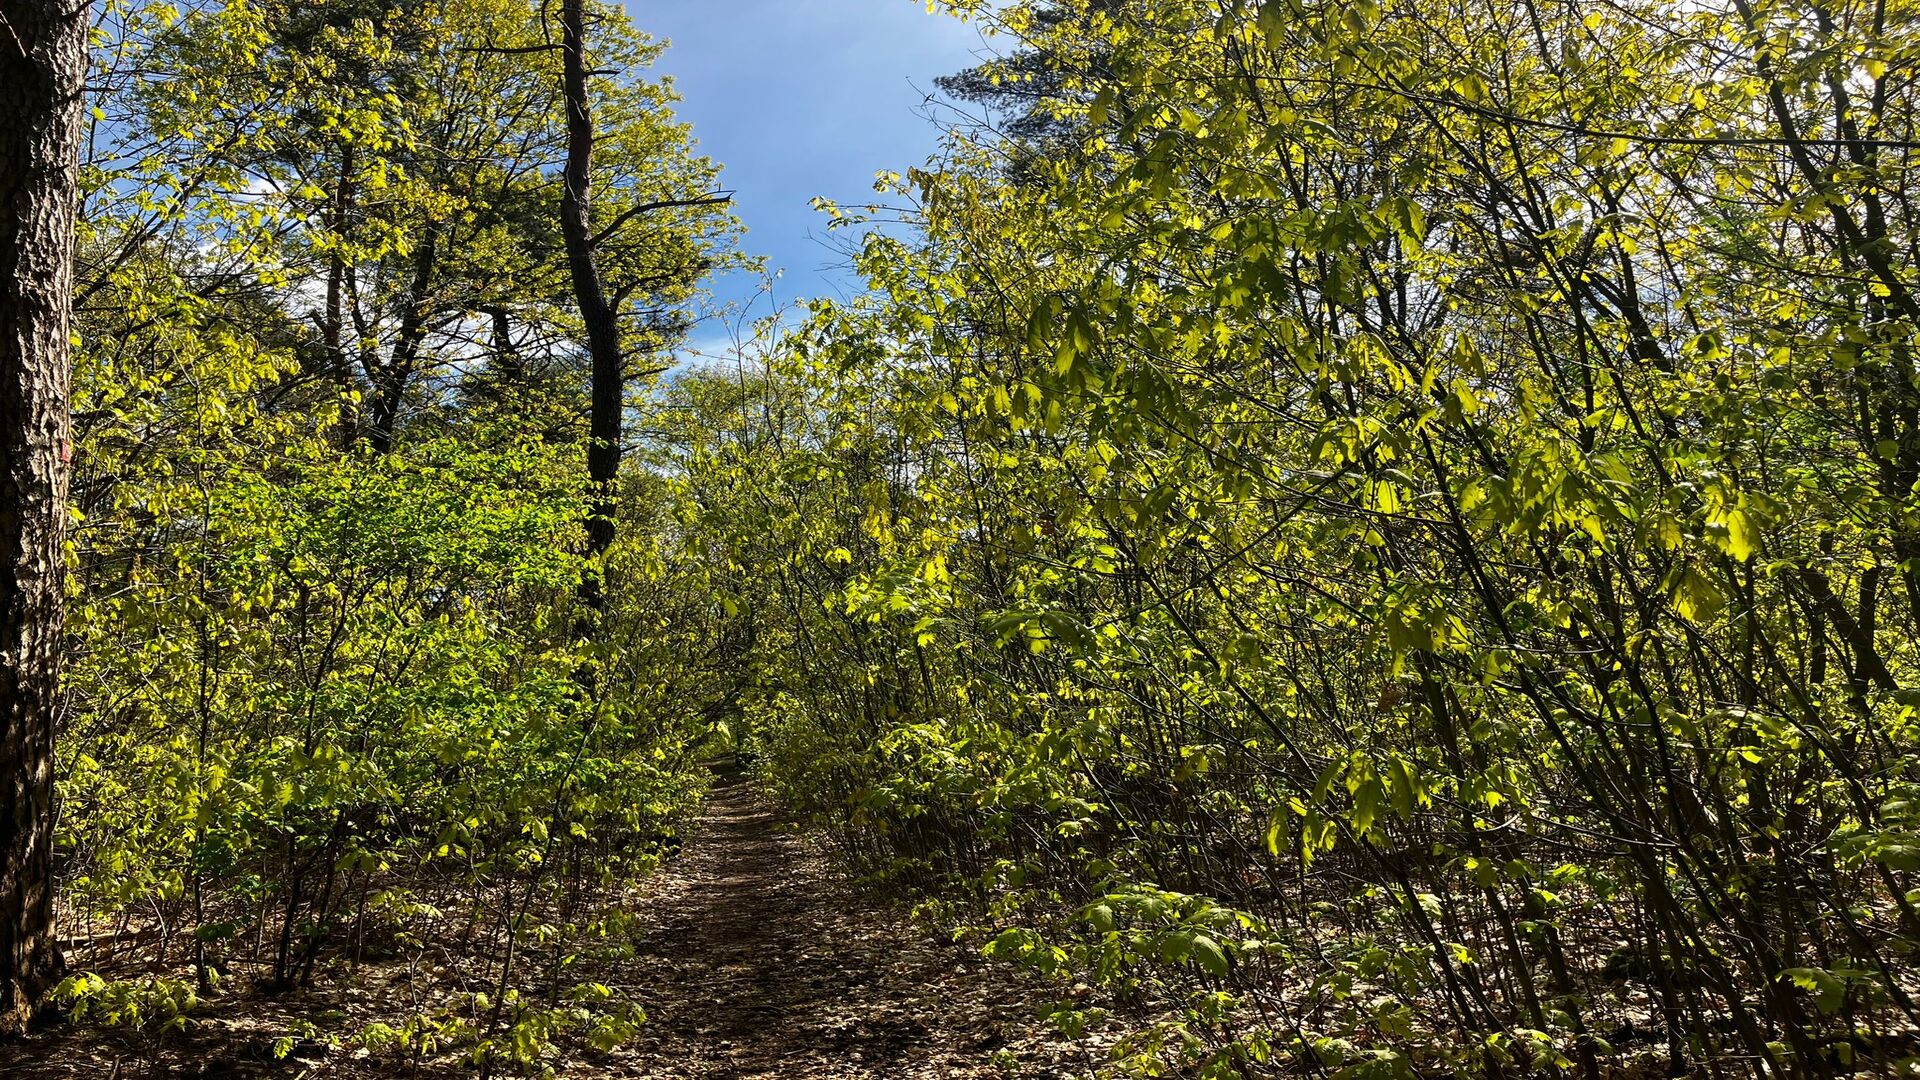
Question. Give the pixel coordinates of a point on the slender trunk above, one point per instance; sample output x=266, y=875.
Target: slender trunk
x=391, y=381
x=334, y=323
x=509, y=368
x=596, y=311
x=42, y=62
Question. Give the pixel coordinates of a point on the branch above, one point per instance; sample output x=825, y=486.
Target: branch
x=512, y=50
x=717, y=198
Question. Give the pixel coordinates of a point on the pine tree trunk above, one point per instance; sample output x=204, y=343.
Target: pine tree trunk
x=596, y=312
x=42, y=63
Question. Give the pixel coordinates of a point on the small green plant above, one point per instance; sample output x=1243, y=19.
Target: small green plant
x=146, y=1011
x=152, y=1005
x=418, y=1037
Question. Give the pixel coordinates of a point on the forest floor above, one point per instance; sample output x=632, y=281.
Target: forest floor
x=752, y=956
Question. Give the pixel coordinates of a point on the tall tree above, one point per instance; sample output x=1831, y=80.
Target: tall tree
x=597, y=312
x=1029, y=90
x=42, y=63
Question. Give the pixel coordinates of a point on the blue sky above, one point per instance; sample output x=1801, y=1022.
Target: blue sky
x=798, y=98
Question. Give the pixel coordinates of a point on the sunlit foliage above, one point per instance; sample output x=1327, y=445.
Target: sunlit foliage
x=1389, y=528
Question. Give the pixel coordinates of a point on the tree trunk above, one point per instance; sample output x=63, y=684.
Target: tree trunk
x=596, y=312
x=509, y=368
x=42, y=63
x=391, y=380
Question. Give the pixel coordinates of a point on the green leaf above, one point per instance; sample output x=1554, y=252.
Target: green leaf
x=1742, y=538
x=1209, y=955
x=1829, y=991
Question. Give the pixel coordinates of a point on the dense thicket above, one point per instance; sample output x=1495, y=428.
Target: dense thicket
x=1399, y=542
x=328, y=695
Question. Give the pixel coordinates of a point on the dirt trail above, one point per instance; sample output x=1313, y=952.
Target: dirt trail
x=761, y=962
x=753, y=958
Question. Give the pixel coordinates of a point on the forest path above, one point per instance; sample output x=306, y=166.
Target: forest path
x=760, y=961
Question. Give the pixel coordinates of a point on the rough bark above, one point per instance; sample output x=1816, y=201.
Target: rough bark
x=596, y=310
x=42, y=63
